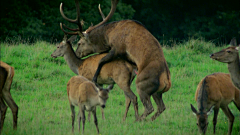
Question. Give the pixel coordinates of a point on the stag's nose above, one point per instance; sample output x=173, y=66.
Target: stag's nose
x=103, y=106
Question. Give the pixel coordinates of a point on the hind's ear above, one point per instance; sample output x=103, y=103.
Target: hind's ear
x=233, y=42
x=194, y=110
x=72, y=38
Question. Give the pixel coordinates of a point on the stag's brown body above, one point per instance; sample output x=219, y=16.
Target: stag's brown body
x=213, y=92
x=118, y=71
x=84, y=94
x=6, y=78
x=131, y=41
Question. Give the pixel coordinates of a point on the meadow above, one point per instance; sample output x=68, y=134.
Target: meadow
x=39, y=89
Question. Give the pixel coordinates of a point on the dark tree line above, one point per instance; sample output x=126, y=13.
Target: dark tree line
x=167, y=20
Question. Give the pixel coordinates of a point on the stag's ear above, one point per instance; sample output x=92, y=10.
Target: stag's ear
x=72, y=38
x=194, y=110
x=210, y=110
x=233, y=42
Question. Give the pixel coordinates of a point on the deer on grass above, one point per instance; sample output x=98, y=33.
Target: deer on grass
x=6, y=78
x=131, y=41
x=213, y=92
x=230, y=55
x=86, y=95
x=118, y=71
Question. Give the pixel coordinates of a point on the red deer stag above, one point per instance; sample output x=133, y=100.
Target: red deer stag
x=6, y=77
x=84, y=94
x=131, y=41
x=231, y=57
x=213, y=92
x=118, y=71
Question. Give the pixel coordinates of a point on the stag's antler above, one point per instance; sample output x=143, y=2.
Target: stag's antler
x=113, y=9
x=76, y=21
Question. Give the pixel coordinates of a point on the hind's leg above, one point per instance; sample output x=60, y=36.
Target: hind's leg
x=161, y=107
x=3, y=113
x=10, y=102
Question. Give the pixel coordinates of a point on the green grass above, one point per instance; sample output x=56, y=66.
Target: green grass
x=39, y=89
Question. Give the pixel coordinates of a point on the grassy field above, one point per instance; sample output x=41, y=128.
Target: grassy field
x=39, y=89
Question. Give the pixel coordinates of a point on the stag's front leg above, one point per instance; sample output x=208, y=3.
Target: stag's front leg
x=109, y=57
x=95, y=119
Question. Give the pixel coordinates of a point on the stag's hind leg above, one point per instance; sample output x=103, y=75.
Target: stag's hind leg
x=3, y=113
x=160, y=104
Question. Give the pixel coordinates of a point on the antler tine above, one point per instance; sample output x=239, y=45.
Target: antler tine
x=77, y=20
x=70, y=33
x=70, y=28
x=113, y=9
x=99, y=8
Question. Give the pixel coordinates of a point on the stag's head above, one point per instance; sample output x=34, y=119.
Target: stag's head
x=202, y=119
x=228, y=54
x=103, y=95
x=63, y=47
x=85, y=46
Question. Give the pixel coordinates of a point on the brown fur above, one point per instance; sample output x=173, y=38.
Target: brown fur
x=118, y=71
x=6, y=77
x=230, y=55
x=131, y=41
x=84, y=94
x=213, y=92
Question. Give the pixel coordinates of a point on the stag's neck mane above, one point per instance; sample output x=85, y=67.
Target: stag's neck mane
x=234, y=69
x=72, y=60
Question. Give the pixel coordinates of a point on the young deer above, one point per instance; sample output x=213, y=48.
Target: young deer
x=230, y=56
x=118, y=71
x=213, y=92
x=84, y=94
x=6, y=78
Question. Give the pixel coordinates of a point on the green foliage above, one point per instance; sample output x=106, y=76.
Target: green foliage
x=39, y=20
x=39, y=89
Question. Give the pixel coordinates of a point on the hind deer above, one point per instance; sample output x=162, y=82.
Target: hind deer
x=131, y=41
x=230, y=55
x=84, y=94
x=213, y=92
x=118, y=71
x=6, y=78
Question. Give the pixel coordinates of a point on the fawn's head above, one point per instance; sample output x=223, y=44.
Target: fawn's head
x=103, y=95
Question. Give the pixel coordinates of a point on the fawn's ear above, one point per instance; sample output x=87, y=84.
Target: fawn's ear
x=233, y=42
x=194, y=110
